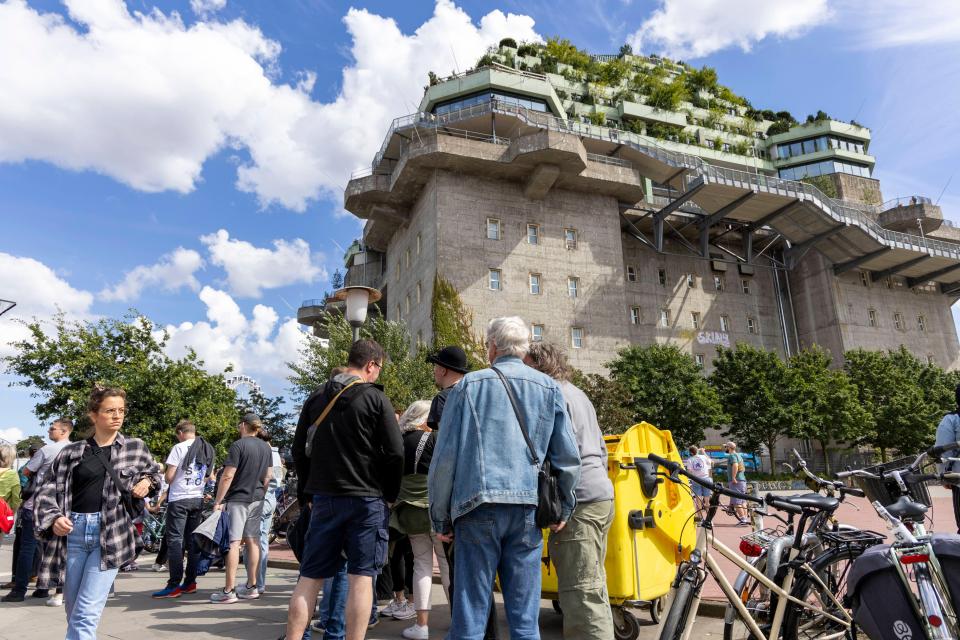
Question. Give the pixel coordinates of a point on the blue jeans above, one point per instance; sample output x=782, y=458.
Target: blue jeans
x=85, y=587
x=28, y=547
x=266, y=520
x=333, y=606
x=489, y=539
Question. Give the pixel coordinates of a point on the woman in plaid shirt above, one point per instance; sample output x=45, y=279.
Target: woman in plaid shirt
x=81, y=512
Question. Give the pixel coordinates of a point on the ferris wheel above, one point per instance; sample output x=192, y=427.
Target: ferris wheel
x=237, y=381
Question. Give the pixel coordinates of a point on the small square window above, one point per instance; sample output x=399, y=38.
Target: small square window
x=634, y=315
x=576, y=337
x=898, y=321
x=695, y=319
x=631, y=273
x=570, y=238
x=921, y=323
x=691, y=281
x=535, y=284
x=493, y=228
x=725, y=323
x=718, y=283
x=752, y=325
x=533, y=234
x=662, y=277
x=865, y=278
x=494, y=275
x=699, y=359
x=536, y=332
x=665, y=318
x=872, y=317
x=745, y=286
x=573, y=287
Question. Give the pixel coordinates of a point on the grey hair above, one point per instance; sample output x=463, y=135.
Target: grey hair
x=414, y=416
x=509, y=335
x=8, y=454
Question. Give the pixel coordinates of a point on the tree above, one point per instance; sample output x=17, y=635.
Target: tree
x=752, y=384
x=23, y=446
x=625, y=50
x=702, y=79
x=276, y=421
x=610, y=399
x=405, y=377
x=824, y=402
x=61, y=366
x=453, y=323
x=665, y=388
x=336, y=280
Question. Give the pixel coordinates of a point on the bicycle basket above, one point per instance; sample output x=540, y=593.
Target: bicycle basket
x=887, y=491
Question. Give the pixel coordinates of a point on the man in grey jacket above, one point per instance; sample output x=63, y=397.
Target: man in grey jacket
x=578, y=551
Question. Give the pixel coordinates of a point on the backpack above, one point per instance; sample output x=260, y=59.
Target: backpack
x=6, y=516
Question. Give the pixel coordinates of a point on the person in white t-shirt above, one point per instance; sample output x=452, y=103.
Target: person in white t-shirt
x=698, y=464
x=189, y=465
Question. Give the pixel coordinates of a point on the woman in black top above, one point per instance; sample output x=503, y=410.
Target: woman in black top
x=87, y=517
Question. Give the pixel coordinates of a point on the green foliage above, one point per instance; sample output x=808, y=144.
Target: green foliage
x=276, y=421
x=433, y=80
x=598, y=118
x=665, y=387
x=752, y=386
x=663, y=131
x=60, y=366
x=820, y=117
x=625, y=50
x=614, y=71
x=508, y=42
x=485, y=61
x=610, y=399
x=780, y=126
x=563, y=95
x=741, y=148
x=785, y=115
x=665, y=95
x=452, y=323
x=724, y=93
x=702, y=79
x=528, y=49
x=405, y=377
x=824, y=403
x=23, y=446
x=767, y=114
x=716, y=144
x=562, y=50
x=824, y=184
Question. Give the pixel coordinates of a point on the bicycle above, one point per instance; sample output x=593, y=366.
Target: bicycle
x=154, y=525
x=827, y=614
x=913, y=552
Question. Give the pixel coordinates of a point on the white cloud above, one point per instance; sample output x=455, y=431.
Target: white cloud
x=171, y=272
x=38, y=292
x=696, y=28
x=12, y=435
x=259, y=346
x=145, y=99
x=207, y=7
x=893, y=23
x=251, y=269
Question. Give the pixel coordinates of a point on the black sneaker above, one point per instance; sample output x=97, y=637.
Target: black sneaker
x=40, y=593
x=13, y=596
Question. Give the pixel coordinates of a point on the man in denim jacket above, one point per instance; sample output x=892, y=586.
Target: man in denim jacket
x=483, y=483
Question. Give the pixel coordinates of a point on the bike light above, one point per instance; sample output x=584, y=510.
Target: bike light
x=750, y=549
x=935, y=620
x=914, y=558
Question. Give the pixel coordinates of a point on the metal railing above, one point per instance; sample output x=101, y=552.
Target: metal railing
x=905, y=201
x=313, y=302
x=620, y=162
x=838, y=211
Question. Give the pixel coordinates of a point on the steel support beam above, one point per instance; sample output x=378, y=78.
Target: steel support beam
x=680, y=200
x=843, y=267
x=933, y=275
x=880, y=275
x=809, y=242
x=711, y=219
x=748, y=245
x=636, y=233
x=951, y=289
x=673, y=176
x=770, y=217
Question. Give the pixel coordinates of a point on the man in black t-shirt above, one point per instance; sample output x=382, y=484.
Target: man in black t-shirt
x=449, y=367
x=242, y=485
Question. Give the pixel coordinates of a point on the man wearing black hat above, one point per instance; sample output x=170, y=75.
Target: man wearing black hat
x=449, y=367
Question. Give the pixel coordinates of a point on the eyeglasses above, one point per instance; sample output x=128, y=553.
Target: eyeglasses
x=379, y=365
x=113, y=412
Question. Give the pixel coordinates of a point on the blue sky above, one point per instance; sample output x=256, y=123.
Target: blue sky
x=188, y=158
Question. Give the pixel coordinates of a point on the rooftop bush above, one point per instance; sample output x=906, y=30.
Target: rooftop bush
x=508, y=42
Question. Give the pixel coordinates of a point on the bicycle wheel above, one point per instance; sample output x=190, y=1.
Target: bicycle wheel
x=756, y=597
x=676, y=620
x=833, y=568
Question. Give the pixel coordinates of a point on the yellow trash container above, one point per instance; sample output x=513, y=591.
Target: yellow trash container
x=652, y=528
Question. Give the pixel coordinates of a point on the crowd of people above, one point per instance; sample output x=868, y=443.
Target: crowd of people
x=384, y=495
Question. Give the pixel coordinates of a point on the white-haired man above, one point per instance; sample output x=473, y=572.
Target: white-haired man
x=490, y=501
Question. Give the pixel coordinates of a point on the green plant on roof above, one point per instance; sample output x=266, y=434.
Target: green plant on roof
x=717, y=144
x=741, y=148
x=625, y=50
x=614, y=71
x=702, y=79
x=598, y=118
x=724, y=93
x=485, y=61
x=528, y=49
x=508, y=42
x=664, y=131
x=562, y=50
x=821, y=116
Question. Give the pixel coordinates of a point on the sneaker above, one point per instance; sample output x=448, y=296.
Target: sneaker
x=317, y=626
x=405, y=611
x=261, y=590
x=416, y=632
x=133, y=566
x=374, y=620
x=223, y=597
x=188, y=588
x=55, y=600
x=247, y=593
x=391, y=607
x=13, y=596
x=40, y=593
x=157, y=568
x=168, y=592
x=743, y=523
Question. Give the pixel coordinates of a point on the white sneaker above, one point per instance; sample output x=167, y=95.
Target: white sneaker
x=157, y=568
x=247, y=593
x=55, y=600
x=405, y=611
x=391, y=607
x=416, y=632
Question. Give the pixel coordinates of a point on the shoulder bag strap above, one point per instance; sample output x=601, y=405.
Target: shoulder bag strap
x=316, y=423
x=125, y=496
x=516, y=411
x=421, y=445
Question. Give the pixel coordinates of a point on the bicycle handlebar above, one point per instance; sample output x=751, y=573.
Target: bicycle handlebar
x=938, y=450
x=823, y=483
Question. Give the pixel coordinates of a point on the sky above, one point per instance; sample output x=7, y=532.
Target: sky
x=187, y=159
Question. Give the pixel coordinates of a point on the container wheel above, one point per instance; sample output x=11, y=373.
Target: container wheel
x=625, y=624
x=656, y=610
x=556, y=606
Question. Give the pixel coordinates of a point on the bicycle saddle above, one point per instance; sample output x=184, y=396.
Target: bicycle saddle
x=906, y=509
x=813, y=501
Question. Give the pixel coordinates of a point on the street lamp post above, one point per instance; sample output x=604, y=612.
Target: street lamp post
x=357, y=300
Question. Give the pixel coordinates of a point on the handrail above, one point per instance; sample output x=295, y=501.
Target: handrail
x=853, y=214
x=313, y=302
x=905, y=201
x=620, y=162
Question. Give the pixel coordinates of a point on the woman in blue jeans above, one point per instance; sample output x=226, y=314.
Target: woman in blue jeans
x=86, y=516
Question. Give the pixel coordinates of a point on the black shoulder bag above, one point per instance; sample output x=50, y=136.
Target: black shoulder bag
x=548, y=490
x=129, y=504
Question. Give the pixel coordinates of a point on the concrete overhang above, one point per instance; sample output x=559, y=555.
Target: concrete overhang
x=824, y=127
x=827, y=154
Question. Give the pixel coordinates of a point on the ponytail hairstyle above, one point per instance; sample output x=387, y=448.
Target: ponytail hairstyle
x=253, y=423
